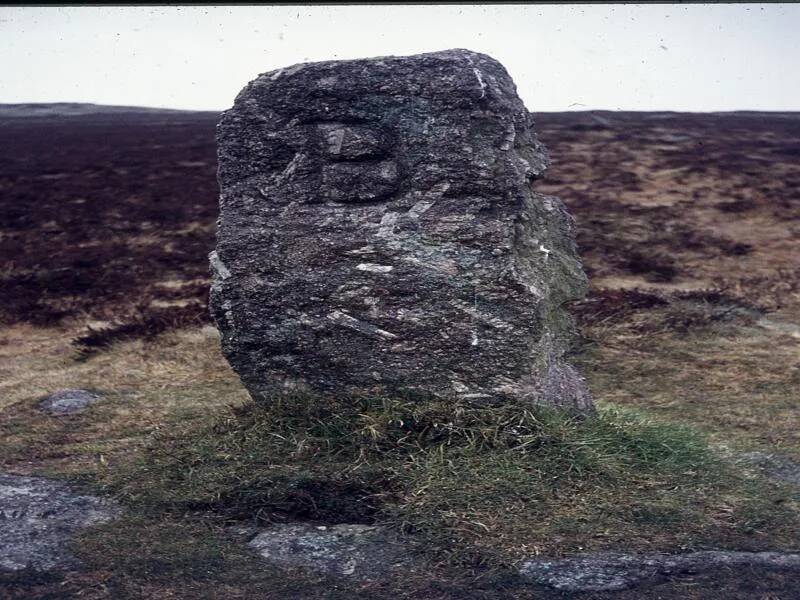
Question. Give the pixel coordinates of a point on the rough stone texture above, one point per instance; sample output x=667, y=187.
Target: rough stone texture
x=65, y=402
x=358, y=551
x=38, y=518
x=606, y=572
x=379, y=233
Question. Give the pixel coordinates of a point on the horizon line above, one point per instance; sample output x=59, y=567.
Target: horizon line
x=565, y=110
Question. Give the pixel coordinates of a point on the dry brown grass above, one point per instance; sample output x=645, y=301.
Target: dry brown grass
x=731, y=379
x=169, y=382
x=737, y=382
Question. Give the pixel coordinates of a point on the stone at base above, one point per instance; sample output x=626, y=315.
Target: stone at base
x=358, y=551
x=38, y=518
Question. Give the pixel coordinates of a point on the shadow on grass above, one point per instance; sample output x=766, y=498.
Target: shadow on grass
x=478, y=485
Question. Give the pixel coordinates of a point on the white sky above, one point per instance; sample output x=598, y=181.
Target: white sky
x=562, y=57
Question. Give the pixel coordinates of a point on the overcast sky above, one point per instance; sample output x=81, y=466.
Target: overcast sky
x=562, y=57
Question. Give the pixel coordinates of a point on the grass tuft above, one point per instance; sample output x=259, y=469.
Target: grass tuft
x=476, y=484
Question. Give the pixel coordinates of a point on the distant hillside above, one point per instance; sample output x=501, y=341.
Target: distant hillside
x=602, y=117
x=75, y=109
x=109, y=209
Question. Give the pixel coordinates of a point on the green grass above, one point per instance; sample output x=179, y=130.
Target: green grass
x=477, y=485
x=704, y=366
x=141, y=556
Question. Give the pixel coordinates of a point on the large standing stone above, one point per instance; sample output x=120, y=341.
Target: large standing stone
x=379, y=234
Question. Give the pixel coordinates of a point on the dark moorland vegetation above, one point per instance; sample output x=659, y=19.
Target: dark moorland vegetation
x=689, y=226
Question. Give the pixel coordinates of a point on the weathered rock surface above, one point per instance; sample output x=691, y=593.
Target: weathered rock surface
x=39, y=517
x=65, y=402
x=358, y=551
x=379, y=234
x=612, y=571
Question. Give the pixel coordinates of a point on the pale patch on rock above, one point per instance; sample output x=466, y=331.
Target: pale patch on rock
x=373, y=268
x=415, y=178
x=218, y=267
x=615, y=571
x=368, y=329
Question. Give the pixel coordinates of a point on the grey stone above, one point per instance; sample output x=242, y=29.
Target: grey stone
x=782, y=327
x=379, y=233
x=774, y=466
x=65, y=402
x=613, y=571
x=357, y=551
x=39, y=517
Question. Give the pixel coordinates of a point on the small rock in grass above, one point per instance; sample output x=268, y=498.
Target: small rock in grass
x=774, y=466
x=610, y=571
x=66, y=402
x=350, y=550
x=38, y=519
